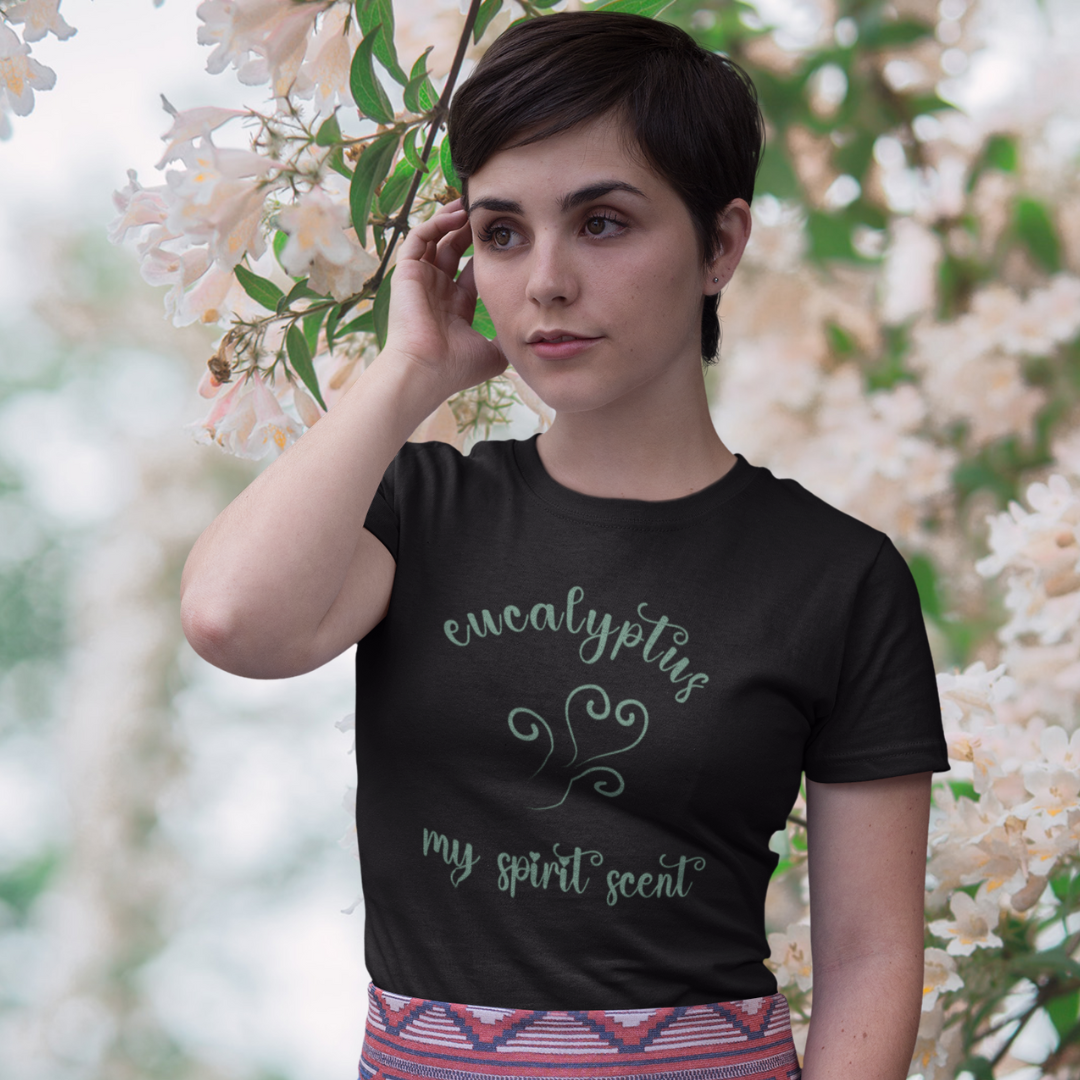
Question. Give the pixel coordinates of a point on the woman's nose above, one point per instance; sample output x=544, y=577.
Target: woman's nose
x=552, y=279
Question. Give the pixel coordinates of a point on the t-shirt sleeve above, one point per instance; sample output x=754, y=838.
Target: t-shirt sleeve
x=886, y=715
x=382, y=519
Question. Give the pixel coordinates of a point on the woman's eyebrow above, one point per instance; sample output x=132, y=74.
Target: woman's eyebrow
x=566, y=203
x=597, y=191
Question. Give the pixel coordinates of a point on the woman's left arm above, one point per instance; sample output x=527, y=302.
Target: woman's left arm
x=867, y=865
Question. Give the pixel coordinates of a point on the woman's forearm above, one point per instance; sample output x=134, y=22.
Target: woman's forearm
x=865, y=1018
x=262, y=577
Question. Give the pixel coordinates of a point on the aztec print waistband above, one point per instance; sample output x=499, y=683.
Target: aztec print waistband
x=418, y=1039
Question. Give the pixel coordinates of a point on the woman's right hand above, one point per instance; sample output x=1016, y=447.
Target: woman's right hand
x=431, y=313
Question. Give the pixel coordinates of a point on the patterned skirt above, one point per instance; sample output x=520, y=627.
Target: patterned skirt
x=417, y=1039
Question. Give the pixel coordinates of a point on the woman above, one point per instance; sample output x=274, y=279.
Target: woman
x=593, y=665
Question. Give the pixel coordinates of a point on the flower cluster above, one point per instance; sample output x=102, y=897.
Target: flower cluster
x=20, y=73
x=865, y=453
x=1036, y=550
x=971, y=368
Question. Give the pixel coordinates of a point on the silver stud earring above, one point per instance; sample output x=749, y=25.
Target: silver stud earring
x=716, y=279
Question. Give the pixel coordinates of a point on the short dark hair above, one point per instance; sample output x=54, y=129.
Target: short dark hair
x=692, y=113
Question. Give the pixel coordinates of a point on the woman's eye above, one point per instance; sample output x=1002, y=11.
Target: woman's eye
x=501, y=236
x=598, y=226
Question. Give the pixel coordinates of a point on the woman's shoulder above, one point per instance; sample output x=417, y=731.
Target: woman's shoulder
x=442, y=466
x=801, y=518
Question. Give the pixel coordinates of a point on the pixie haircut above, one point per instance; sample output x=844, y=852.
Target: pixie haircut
x=692, y=114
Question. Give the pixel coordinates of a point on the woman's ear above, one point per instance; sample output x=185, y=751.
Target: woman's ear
x=733, y=225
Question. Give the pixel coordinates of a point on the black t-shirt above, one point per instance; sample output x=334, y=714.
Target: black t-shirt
x=583, y=718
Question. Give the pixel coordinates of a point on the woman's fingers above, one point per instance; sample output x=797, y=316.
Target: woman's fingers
x=467, y=281
x=421, y=237
x=451, y=247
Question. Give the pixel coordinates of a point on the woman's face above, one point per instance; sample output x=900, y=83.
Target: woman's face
x=590, y=267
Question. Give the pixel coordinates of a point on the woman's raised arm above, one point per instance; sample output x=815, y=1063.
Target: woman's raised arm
x=867, y=862
x=287, y=577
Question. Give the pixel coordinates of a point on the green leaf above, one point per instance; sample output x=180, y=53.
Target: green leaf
x=482, y=323
x=978, y=1066
x=312, y=324
x=393, y=191
x=329, y=132
x=1065, y=884
x=447, y=166
x=362, y=324
x=649, y=8
x=281, y=238
x=881, y=35
x=830, y=237
x=782, y=866
x=926, y=580
x=840, y=341
x=488, y=10
x=300, y=291
x=855, y=155
x=776, y=174
x=428, y=97
x=259, y=288
x=332, y=318
x=300, y=358
x=23, y=883
x=1001, y=153
x=1036, y=229
x=380, y=13
x=417, y=77
x=1047, y=962
x=336, y=161
x=370, y=172
x=412, y=154
x=380, y=309
x=963, y=789
x=367, y=91
x=1063, y=1012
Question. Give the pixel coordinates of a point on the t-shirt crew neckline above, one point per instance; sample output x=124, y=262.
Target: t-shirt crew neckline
x=630, y=513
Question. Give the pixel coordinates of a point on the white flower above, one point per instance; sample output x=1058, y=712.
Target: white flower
x=218, y=200
x=1046, y=843
x=276, y=31
x=1061, y=749
x=909, y=278
x=789, y=956
x=20, y=74
x=248, y=421
x=973, y=692
x=40, y=17
x=1055, y=789
x=189, y=125
x=324, y=75
x=973, y=924
x=138, y=208
x=316, y=226
x=939, y=976
x=215, y=296
x=322, y=245
x=938, y=1050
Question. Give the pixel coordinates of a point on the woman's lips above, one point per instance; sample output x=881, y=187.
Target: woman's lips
x=561, y=350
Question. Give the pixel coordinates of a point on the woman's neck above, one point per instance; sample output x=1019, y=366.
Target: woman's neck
x=653, y=449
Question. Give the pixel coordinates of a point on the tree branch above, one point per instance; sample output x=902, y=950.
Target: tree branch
x=438, y=116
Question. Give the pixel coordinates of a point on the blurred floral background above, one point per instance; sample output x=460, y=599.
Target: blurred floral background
x=903, y=338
